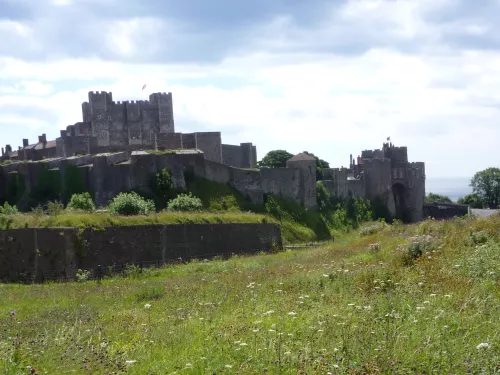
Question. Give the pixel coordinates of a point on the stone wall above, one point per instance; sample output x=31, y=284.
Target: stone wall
x=106, y=175
x=442, y=211
x=58, y=252
x=242, y=156
x=282, y=182
x=211, y=145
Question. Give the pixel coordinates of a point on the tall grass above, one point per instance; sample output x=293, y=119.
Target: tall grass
x=99, y=219
x=346, y=308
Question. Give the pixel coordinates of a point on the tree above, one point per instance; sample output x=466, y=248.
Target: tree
x=431, y=197
x=486, y=185
x=275, y=159
x=471, y=200
x=320, y=165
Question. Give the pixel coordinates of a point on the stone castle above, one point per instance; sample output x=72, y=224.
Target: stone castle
x=118, y=145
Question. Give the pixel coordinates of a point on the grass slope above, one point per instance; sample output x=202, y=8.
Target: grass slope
x=69, y=219
x=419, y=299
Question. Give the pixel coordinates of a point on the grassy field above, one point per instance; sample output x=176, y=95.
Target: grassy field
x=421, y=299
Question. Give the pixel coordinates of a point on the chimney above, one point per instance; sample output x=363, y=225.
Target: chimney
x=350, y=160
x=8, y=148
x=3, y=152
x=42, y=139
x=25, y=142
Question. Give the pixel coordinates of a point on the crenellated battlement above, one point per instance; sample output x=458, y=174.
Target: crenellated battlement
x=386, y=175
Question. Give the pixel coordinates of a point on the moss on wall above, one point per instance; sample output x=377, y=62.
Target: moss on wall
x=48, y=187
x=73, y=183
x=16, y=186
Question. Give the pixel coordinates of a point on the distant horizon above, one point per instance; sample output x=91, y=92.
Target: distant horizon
x=452, y=187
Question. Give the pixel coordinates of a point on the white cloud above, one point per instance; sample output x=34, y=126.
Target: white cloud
x=438, y=100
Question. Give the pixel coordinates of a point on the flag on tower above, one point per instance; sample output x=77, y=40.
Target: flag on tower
x=143, y=87
x=388, y=138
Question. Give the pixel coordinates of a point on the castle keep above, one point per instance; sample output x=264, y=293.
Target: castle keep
x=108, y=126
x=117, y=147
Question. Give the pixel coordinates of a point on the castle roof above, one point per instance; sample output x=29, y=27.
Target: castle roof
x=301, y=157
x=39, y=145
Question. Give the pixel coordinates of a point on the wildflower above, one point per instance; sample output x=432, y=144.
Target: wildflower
x=228, y=366
x=325, y=275
x=12, y=313
x=243, y=344
x=189, y=365
x=255, y=330
x=483, y=345
x=292, y=313
x=351, y=304
x=147, y=306
x=130, y=361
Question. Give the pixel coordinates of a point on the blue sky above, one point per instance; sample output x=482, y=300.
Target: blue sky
x=330, y=77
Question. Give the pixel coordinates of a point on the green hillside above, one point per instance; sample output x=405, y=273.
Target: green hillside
x=385, y=299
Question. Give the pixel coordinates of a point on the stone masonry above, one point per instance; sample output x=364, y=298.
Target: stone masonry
x=112, y=147
x=384, y=174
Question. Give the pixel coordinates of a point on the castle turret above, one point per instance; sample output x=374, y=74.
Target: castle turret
x=164, y=103
x=306, y=164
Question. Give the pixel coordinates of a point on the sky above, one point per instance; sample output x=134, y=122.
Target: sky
x=325, y=76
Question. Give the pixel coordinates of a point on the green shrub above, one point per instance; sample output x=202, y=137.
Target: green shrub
x=484, y=261
x=418, y=246
x=128, y=204
x=163, y=188
x=7, y=209
x=81, y=202
x=55, y=208
x=479, y=238
x=372, y=229
x=185, y=202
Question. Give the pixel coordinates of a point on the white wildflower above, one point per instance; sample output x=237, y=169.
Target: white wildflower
x=147, y=306
x=483, y=345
